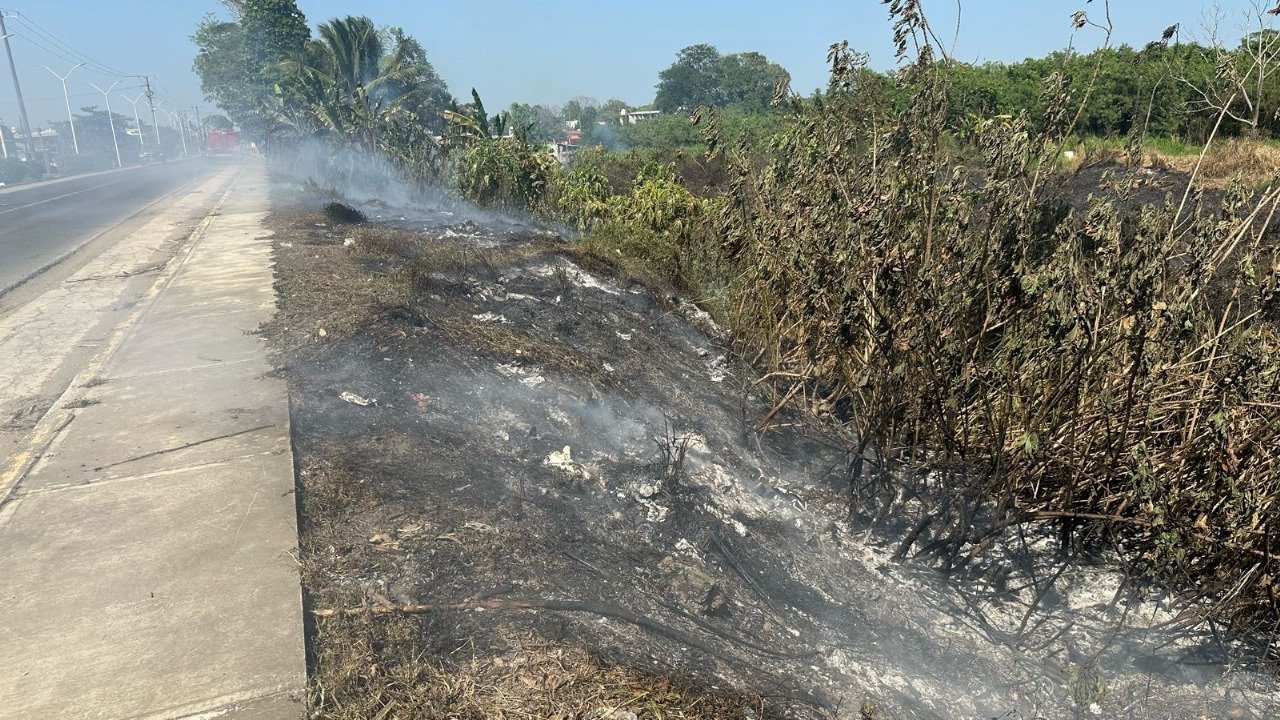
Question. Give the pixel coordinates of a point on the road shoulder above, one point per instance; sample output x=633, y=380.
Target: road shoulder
x=148, y=543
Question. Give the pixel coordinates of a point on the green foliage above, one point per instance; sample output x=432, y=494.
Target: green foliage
x=1147, y=92
x=656, y=234
x=93, y=130
x=701, y=76
x=238, y=62
x=218, y=122
x=580, y=195
x=537, y=124
x=504, y=173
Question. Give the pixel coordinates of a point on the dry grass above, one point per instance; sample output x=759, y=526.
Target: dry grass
x=1254, y=162
x=330, y=297
x=372, y=667
x=502, y=341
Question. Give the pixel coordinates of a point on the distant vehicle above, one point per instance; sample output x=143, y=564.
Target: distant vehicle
x=151, y=156
x=222, y=144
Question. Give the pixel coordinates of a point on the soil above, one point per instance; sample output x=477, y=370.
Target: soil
x=499, y=451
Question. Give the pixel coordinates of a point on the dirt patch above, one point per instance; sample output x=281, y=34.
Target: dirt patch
x=528, y=490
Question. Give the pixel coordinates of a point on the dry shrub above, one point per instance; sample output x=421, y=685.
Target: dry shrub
x=1008, y=361
x=342, y=213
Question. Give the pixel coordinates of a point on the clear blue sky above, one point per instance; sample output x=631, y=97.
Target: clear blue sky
x=553, y=50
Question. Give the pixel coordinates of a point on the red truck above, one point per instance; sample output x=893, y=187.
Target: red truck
x=222, y=143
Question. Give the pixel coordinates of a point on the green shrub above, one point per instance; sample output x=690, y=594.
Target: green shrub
x=12, y=171
x=659, y=234
x=505, y=173
x=580, y=195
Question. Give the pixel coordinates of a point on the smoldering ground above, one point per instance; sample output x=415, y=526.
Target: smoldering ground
x=495, y=423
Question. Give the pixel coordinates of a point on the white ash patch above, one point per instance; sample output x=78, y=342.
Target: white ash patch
x=563, y=461
x=491, y=317
x=700, y=319
x=577, y=275
x=717, y=369
x=655, y=512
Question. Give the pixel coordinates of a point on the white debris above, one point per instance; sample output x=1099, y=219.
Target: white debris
x=562, y=460
x=491, y=317
x=532, y=381
x=700, y=319
x=510, y=370
x=608, y=367
x=625, y=336
x=717, y=369
x=355, y=399
x=348, y=242
x=647, y=490
x=654, y=512
x=575, y=273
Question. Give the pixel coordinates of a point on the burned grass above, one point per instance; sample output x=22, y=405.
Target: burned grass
x=528, y=490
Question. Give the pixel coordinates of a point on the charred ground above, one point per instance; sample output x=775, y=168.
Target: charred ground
x=531, y=490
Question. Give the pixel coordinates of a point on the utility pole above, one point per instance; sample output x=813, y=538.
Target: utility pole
x=151, y=103
x=75, y=143
x=106, y=95
x=17, y=88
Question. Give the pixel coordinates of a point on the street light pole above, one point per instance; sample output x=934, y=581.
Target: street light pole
x=142, y=145
x=106, y=96
x=75, y=142
x=156, y=106
x=174, y=118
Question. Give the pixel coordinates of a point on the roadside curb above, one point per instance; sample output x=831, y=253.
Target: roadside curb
x=57, y=417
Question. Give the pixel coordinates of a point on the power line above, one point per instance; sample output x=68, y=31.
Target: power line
x=99, y=67
x=50, y=98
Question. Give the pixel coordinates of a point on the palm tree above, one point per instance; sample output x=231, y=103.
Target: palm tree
x=346, y=83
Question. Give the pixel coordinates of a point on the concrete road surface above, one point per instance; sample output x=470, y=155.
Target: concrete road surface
x=147, y=519
x=43, y=222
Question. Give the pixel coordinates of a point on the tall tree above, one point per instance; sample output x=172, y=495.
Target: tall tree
x=238, y=61
x=1244, y=85
x=692, y=80
x=702, y=76
x=750, y=80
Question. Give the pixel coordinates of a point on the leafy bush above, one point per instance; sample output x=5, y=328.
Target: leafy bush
x=12, y=171
x=580, y=195
x=658, y=234
x=504, y=173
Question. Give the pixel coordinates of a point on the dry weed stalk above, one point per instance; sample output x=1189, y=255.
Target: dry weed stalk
x=1008, y=360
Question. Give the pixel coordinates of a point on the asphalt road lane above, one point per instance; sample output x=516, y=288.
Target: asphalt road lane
x=41, y=224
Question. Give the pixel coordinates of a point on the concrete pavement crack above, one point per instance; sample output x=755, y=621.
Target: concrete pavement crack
x=184, y=446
